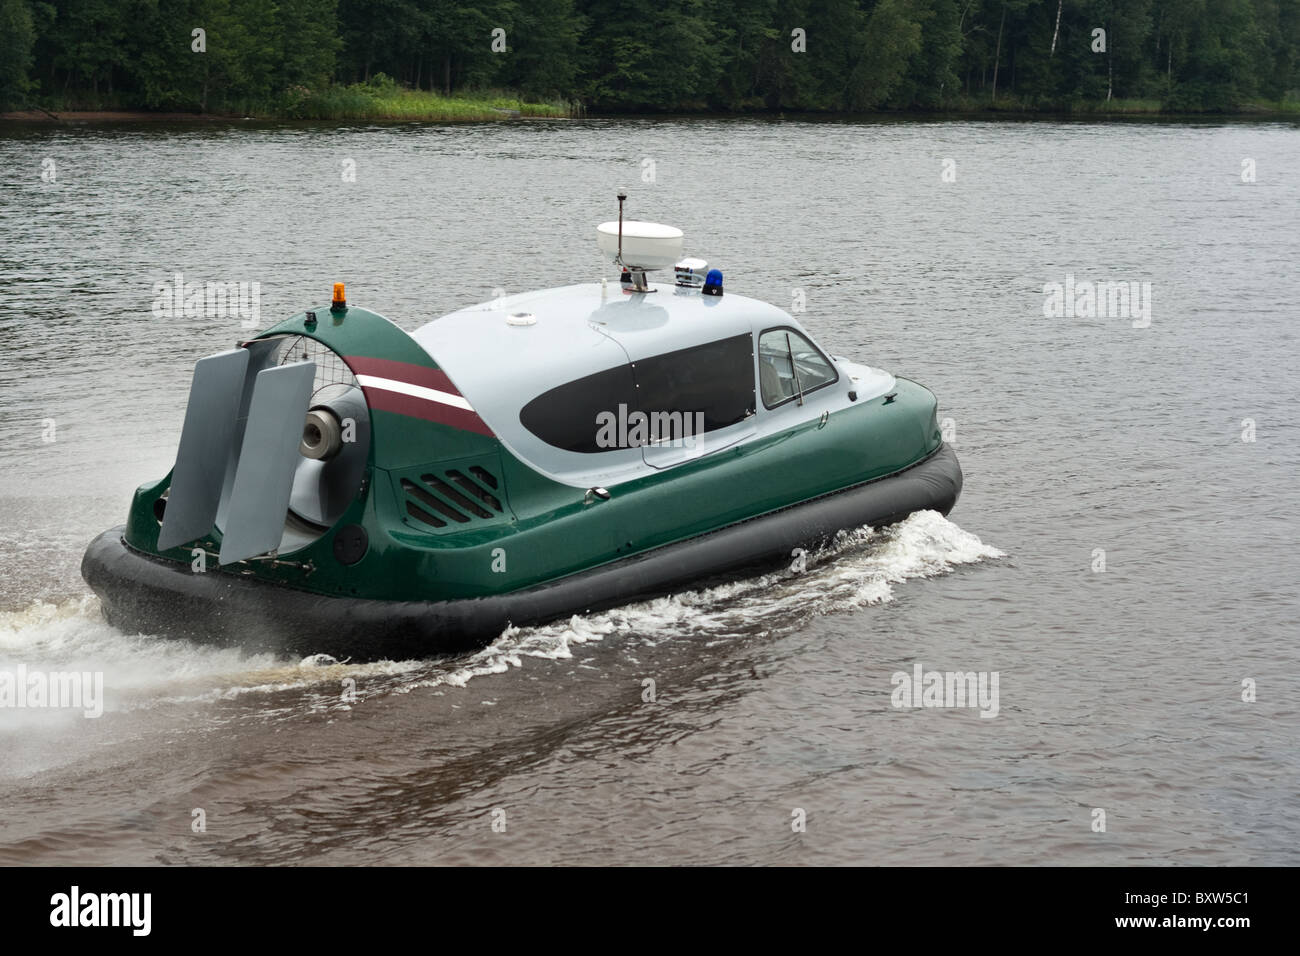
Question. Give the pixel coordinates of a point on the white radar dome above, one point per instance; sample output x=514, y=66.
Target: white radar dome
x=646, y=245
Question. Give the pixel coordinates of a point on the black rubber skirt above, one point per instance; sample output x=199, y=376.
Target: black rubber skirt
x=140, y=593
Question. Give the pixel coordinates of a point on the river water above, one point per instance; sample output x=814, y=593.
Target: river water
x=1122, y=557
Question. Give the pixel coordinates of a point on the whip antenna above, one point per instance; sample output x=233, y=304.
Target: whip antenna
x=622, y=197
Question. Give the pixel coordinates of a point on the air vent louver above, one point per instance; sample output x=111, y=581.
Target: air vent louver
x=453, y=496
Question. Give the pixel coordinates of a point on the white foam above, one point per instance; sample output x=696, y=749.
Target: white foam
x=142, y=670
x=860, y=569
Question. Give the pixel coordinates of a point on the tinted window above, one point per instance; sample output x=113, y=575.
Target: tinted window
x=566, y=416
x=715, y=380
x=788, y=365
x=713, y=384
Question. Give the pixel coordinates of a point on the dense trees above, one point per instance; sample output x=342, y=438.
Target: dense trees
x=657, y=54
x=17, y=37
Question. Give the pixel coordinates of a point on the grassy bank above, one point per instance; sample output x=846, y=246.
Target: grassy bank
x=379, y=100
x=382, y=99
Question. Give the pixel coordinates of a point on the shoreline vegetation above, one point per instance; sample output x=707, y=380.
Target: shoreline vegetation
x=448, y=60
x=379, y=100
x=411, y=106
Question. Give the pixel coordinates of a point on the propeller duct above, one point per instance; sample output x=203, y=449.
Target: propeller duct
x=274, y=448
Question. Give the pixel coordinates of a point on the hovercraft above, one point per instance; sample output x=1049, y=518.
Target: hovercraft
x=344, y=487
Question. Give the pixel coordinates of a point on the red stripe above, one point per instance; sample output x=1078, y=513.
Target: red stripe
x=420, y=375
x=409, y=405
x=385, y=401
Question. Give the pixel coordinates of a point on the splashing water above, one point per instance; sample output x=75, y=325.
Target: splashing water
x=859, y=568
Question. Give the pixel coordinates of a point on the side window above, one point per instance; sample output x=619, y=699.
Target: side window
x=566, y=416
x=663, y=398
x=713, y=383
x=789, y=366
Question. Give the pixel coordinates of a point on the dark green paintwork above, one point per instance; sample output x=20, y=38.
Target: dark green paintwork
x=398, y=441
x=547, y=530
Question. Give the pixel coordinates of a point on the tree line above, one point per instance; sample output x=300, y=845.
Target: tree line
x=656, y=55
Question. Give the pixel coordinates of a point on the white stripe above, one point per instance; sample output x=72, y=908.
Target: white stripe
x=415, y=391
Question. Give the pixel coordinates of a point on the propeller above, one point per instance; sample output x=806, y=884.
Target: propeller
x=268, y=454
x=335, y=447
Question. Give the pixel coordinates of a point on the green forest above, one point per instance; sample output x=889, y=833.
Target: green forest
x=313, y=58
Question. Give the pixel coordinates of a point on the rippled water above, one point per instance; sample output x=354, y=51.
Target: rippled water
x=1119, y=689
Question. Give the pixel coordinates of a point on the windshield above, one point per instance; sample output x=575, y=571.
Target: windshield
x=790, y=366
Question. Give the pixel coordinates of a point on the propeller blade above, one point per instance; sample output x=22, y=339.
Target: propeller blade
x=259, y=497
x=207, y=442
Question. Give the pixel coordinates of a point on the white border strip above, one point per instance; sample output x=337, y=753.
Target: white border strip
x=415, y=391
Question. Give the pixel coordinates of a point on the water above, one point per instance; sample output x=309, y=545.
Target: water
x=1119, y=690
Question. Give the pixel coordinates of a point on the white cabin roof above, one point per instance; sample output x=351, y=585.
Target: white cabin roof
x=573, y=316
x=499, y=366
